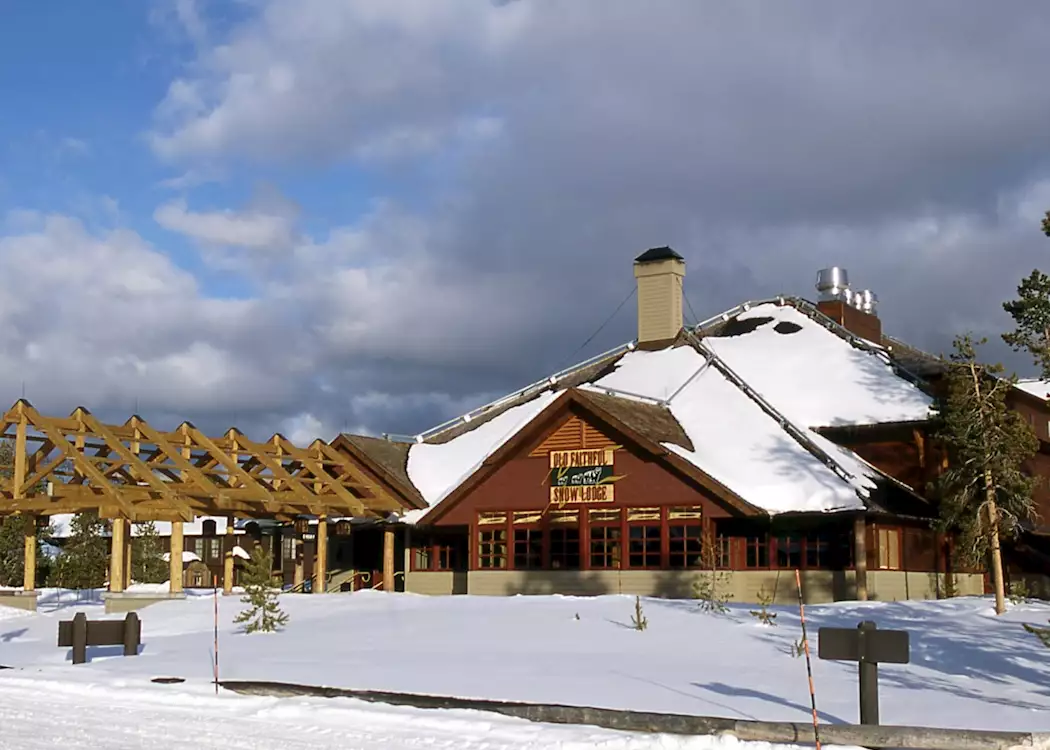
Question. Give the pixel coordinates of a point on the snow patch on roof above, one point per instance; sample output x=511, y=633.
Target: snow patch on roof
x=815, y=377
x=734, y=440
x=61, y=526
x=438, y=468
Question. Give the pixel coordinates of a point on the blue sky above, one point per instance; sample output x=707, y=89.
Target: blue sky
x=412, y=207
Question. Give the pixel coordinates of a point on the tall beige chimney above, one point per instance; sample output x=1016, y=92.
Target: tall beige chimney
x=659, y=272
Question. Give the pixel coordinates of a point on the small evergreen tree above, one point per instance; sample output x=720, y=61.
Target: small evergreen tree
x=83, y=560
x=638, y=618
x=1031, y=314
x=711, y=587
x=147, y=556
x=263, y=614
x=762, y=614
x=1046, y=224
x=985, y=493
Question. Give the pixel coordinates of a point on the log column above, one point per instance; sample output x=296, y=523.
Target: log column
x=321, y=567
x=127, y=553
x=175, y=559
x=227, y=573
x=29, y=579
x=118, y=546
x=18, y=492
x=860, y=557
x=298, y=574
x=388, y=558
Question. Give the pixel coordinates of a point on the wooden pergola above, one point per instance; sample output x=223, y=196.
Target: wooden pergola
x=135, y=472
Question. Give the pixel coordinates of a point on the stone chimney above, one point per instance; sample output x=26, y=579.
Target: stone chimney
x=659, y=272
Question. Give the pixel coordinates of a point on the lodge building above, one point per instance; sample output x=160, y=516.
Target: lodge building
x=780, y=435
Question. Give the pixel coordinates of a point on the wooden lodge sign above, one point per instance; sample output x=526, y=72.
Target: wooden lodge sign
x=582, y=476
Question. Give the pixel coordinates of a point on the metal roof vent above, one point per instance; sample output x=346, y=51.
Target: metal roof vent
x=833, y=284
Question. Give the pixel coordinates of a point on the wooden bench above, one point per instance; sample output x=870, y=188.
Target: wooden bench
x=79, y=633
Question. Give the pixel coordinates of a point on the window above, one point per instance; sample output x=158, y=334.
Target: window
x=643, y=538
x=208, y=527
x=447, y=556
x=422, y=558
x=564, y=530
x=789, y=552
x=198, y=547
x=685, y=534
x=287, y=548
x=889, y=548
x=492, y=540
x=757, y=552
x=528, y=549
x=817, y=551
x=214, y=548
x=605, y=539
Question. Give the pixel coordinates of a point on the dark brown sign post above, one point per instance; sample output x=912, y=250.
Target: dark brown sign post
x=868, y=646
x=79, y=633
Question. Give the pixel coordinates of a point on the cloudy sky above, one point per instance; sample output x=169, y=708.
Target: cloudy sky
x=315, y=215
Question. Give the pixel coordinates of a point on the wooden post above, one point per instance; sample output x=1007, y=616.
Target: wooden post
x=18, y=492
x=79, y=638
x=117, y=548
x=132, y=634
x=869, y=678
x=29, y=579
x=297, y=575
x=321, y=568
x=227, y=573
x=127, y=553
x=388, y=558
x=175, y=561
x=860, y=557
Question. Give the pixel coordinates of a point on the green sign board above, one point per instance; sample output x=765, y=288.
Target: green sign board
x=581, y=476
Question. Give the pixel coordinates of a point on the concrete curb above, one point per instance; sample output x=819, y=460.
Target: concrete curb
x=916, y=738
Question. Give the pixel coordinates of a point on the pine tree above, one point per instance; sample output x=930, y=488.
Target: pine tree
x=147, y=556
x=1046, y=224
x=264, y=614
x=1031, y=314
x=985, y=493
x=12, y=532
x=84, y=557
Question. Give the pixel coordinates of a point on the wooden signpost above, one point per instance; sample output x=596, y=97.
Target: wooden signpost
x=868, y=646
x=79, y=633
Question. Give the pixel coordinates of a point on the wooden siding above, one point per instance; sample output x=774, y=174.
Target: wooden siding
x=522, y=482
x=573, y=434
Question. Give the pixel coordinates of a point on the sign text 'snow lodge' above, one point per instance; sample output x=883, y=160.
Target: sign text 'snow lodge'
x=582, y=476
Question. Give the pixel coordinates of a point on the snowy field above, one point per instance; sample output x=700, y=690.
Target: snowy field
x=969, y=669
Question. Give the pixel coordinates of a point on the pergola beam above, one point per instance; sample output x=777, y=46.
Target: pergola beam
x=136, y=472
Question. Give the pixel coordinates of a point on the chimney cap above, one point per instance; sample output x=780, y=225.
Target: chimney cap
x=654, y=254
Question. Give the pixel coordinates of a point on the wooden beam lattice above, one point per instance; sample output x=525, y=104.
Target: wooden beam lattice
x=138, y=472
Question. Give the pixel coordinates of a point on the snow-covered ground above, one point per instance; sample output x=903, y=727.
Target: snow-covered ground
x=969, y=669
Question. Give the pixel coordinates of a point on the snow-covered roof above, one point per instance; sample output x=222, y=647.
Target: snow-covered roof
x=1035, y=386
x=747, y=411
x=187, y=556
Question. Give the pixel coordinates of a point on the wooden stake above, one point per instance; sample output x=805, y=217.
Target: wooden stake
x=809, y=666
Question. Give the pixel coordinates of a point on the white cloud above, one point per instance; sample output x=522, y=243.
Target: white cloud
x=249, y=229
